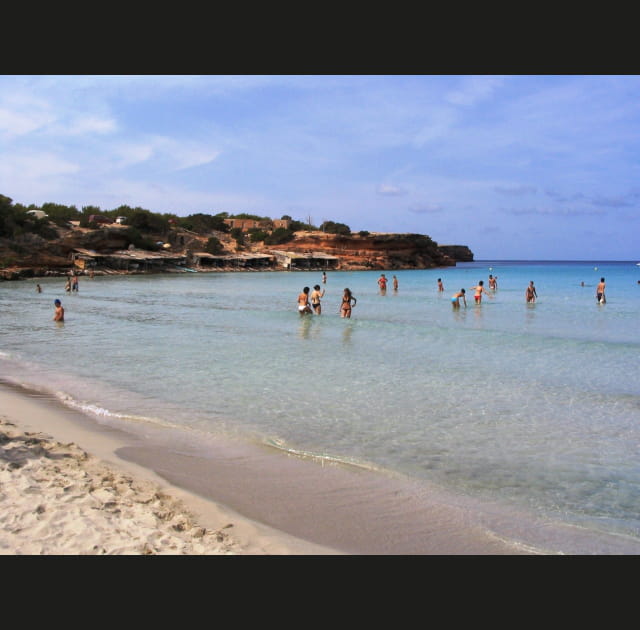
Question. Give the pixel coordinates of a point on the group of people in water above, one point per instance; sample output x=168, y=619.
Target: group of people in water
x=310, y=302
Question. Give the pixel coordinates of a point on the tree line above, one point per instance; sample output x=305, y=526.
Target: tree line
x=15, y=220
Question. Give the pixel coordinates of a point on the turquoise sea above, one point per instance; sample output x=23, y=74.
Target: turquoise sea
x=530, y=408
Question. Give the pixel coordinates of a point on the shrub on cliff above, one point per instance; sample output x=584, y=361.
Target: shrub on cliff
x=214, y=246
x=331, y=227
x=279, y=236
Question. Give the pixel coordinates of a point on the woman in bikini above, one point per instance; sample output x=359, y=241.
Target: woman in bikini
x=530, y=293
x=316, y=294
x=303, y=302
x=345, y=307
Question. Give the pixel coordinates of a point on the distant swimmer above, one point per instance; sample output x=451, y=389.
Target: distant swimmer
x=324, y=277
x=346, y=305
x=382, y=283
x=440, y=285
x=530, y=292
x=316, y=294
x=600, y=296
x=455, y=298
x=38, y=288
x=395, y=283
x=493, y=282
x=58, y=314
x=479, y=290
x=303, y=302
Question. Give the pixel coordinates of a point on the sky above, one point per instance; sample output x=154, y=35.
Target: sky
x=516, y=167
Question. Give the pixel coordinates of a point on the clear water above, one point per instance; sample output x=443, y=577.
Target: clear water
x=535, y=406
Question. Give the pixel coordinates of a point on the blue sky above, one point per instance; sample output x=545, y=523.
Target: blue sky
x=515, y=167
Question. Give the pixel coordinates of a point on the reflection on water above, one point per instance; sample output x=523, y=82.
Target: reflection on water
x=346, y=333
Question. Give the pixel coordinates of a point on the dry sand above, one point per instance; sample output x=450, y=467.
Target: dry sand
x=56, y=498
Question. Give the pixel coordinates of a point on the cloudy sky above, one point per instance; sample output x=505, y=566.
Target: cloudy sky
x=515, y=167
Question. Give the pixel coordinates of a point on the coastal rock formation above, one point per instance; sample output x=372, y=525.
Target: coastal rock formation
x=380, y=250
x=30, y=255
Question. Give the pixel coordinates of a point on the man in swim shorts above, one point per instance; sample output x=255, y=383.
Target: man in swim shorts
x=600, y=292
x=58, y=314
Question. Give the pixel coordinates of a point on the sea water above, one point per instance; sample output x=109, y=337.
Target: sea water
x=534, y=406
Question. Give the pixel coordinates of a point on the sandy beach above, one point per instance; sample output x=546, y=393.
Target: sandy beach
x=64, y=491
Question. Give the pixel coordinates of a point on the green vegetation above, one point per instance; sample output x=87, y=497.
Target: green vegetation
x=330, y=227
x=279, y=236
x=15, y=221
x=257, y=234
x=214, y=246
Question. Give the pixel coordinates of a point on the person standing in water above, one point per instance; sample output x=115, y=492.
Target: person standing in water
x=395, y=283
x=455, y=298
x=530, y=292
x=382, y=283
x=493, y=282
x=303, y=302
x=600, y=296
x=324, y=277
x=479, y=290
x=316, y=294
x=345, y=306
x=58, y=314
x=440, y=286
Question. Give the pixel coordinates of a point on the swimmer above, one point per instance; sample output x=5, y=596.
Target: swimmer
x=455, y=298
x=530, y=292
x=479, y=290
x=316, y=294
x=58, y=314
x=345, y=306
x=600, y=296
x=303, y=302
x=440, y=285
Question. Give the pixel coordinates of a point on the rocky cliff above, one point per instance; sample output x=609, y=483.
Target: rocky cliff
x=30, y=255
x=380, y=250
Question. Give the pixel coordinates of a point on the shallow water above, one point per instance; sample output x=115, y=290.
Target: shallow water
x=532, y=406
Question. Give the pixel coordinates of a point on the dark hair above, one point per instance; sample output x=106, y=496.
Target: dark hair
x=316, y=287
x=305, y=290
x=481, y=282
x=601, y=279
x=57, y=302
x=462, y=291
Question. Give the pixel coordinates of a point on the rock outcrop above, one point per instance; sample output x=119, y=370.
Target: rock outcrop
x=30, y=255
x=380, y=250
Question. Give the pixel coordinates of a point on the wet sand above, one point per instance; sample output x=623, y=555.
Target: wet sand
x=224, y=497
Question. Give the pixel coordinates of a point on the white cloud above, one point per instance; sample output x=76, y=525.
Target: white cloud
x=18, y=123
x=90, y=125
x=31, y=166
x=391, y=190
x=474, y=89
x=426, y=208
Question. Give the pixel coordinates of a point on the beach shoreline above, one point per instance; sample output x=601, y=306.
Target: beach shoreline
x=230, y=500
x=65, y=491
